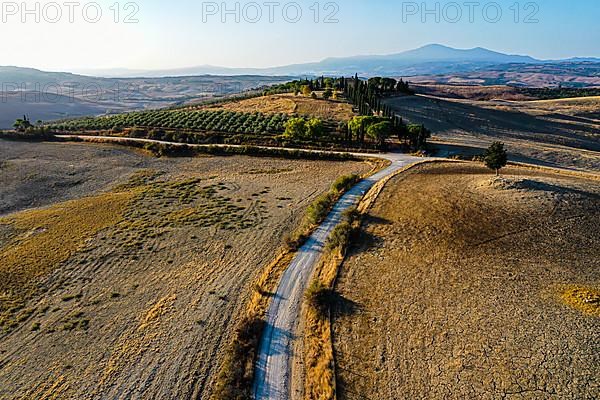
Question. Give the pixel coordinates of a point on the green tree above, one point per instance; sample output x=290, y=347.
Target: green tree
x=327, y=94
x=314, y=128
x=306, y=90
x=417, y=136
x=295, y=128
x=299, y=128
x=380, y=132
x=495, y=157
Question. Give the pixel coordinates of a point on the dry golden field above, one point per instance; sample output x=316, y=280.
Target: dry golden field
x=290, y=104
x=123, y=275
x=462, y=286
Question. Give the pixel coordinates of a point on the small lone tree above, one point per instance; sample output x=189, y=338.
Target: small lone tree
x=495, y=157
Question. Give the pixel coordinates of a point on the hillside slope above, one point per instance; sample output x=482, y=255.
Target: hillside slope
x=457, y=290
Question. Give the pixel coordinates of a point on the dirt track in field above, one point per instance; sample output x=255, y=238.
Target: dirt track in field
x=462, y=289
x=144, y=309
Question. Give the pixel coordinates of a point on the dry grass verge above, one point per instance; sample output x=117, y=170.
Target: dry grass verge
x=237, y=372
x=319, y=377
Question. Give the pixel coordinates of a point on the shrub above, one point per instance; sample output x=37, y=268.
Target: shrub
x=339, y=236
x=299, y=128
x=319, y=297
x=319, y=209
x=235, y=378
x=314, y=128
x=345, y=183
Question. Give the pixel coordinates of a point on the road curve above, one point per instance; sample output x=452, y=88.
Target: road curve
x=273, y=368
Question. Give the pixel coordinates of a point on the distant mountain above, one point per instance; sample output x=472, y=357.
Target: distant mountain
x=433, y=58
x=437, y=52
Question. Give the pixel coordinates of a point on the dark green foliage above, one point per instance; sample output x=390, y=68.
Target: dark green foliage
x=235, y=378
x=344, y=183
x=380, y=132
x=417, y=136
x=22, y=125
x=186, y=122
x=495, y=157
x=376, y=128
x=300, y=128
x=559, y=93
x=319, y=297
x=340, y=236
x=367, y=96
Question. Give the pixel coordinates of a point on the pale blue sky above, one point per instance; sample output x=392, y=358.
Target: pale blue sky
x=172, y=34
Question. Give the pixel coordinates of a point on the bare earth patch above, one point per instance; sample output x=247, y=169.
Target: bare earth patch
x=141, y=303
x=462, y=288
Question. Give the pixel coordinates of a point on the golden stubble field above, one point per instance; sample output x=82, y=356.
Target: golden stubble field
x=463, y=288
x=290, y=104
x=128, y=283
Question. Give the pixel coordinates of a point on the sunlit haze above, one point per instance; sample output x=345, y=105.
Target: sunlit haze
x=187, y=33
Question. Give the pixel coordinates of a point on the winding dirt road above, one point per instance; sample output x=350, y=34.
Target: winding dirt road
x=273, y=369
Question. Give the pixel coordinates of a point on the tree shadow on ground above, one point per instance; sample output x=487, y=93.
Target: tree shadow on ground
x=342, y=306
x=375, y=220
x=364, y=242
x=548, y=187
